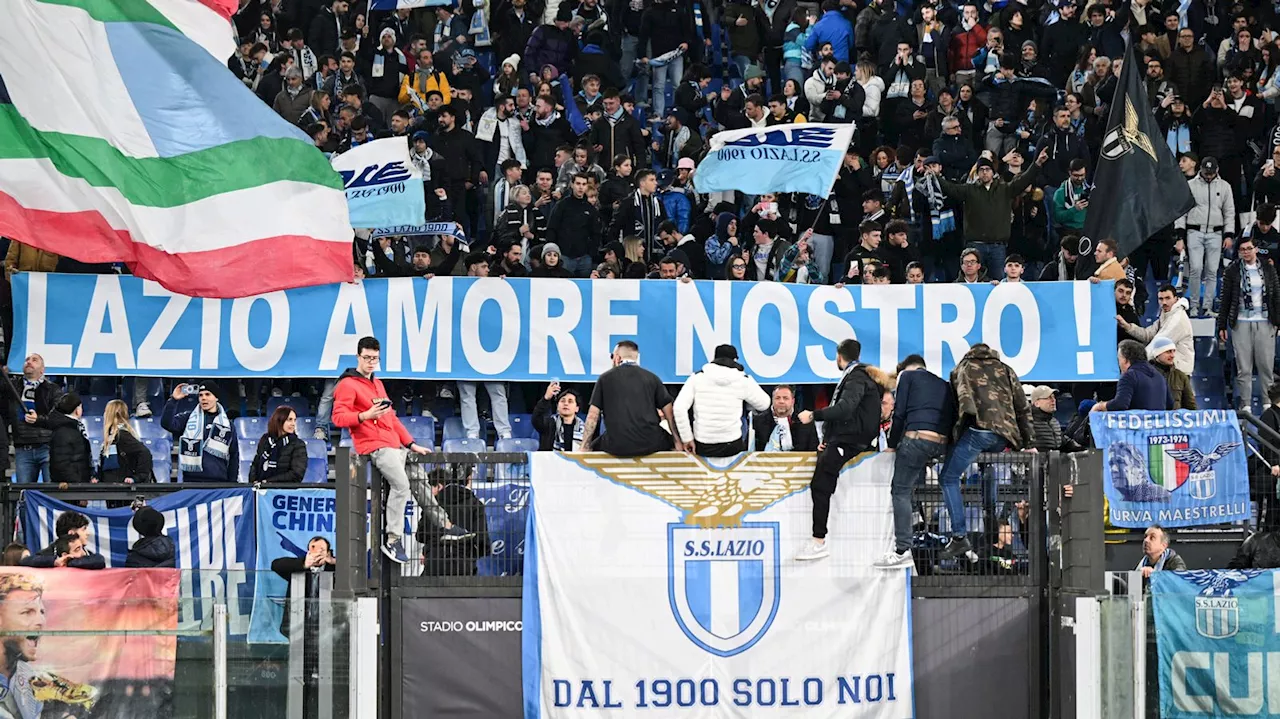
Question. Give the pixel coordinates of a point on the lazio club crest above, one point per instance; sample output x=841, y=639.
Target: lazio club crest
x=1169, y=464
x=1217, y=607
x=723, y=573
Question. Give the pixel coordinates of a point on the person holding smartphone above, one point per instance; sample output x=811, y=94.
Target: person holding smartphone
x=360, y=404
x=30, y=440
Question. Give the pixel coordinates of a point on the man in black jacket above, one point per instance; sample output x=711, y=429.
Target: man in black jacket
x=442, y=558
x=1064, y=145
x=462, y=157
x=576, y=227
x=618, y=133
x=1061, y=43
x=31, y=442
x=924, y=412
x=326, y=27
x=640, y=214
x=852, y=423
x=67, y=525
x=546, y=132
x=780, y=429
x=555, y=416
x=70, y=457
x=1251, y=308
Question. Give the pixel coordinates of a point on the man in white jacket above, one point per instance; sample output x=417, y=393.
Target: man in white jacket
x=716, y=395
x=1172, y=323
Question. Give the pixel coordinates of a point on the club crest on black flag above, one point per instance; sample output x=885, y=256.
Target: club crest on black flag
x=1138, y=188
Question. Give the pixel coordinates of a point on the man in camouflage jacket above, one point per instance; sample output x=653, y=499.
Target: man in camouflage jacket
x=992, y=415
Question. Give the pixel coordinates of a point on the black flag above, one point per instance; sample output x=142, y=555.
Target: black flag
x=1138, y=188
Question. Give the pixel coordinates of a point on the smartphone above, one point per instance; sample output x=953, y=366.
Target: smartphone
x=382, y=402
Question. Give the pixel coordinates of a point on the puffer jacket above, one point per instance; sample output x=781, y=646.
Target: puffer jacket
x=1233, y=295
x=1176, y=325
x=25, y=258
x=69, y=452
x=1260, y=551
x=989, y=396
x=549, y=45
x=716, y=395
x=355, y=394
x=1046, y=433
x=1215, y=206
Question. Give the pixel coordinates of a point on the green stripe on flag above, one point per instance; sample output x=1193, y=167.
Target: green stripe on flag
x=167, y=181
x=1155, y=463
x=117, y=10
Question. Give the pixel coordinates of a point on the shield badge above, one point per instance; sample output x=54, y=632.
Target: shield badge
x=1217, y=617
x=724, y=583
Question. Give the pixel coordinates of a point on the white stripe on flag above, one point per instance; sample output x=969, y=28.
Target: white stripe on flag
x=199, y=22
x=724, y=598
x=214, y=223
x=72, y=87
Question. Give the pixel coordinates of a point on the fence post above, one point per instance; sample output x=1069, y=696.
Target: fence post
x=220, y=661
x=363, y=683
x=349, y=516
x=1088, y=631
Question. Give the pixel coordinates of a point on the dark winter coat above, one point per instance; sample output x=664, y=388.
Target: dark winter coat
x=132, y=460
x=804, y=437
x=549, y=45
x=27, y=435
x=70, y=457
x=541, y=141
x=665, y=25
x=289, y=465
x=1232, y=297
x=854, y=418
x=1259, y=551
x=576, y=227
x=449, y=558
x=1184, y=395
x=1141, y=387
x=151, y=553
x=987, y=210
x=1046, y=433
x=619, y=137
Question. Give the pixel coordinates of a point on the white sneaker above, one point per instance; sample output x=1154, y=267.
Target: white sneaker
x=813, y=550
x=319, y=433
x=893, y=560
x=277, y=392
x=143, y=411
x=445, y=392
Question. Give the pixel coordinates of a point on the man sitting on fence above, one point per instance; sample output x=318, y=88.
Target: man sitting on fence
x=361, y=405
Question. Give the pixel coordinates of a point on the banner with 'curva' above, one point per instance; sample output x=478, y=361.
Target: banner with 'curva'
x=536, y=330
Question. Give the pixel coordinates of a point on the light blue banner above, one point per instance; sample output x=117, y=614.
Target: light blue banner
x=288, y=519
x=783, y=158
x=1217, y=640
x=535, y=330
x=1176, y=469
x=383, y=187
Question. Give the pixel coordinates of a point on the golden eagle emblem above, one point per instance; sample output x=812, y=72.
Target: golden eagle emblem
x=709, y=496
x=1132, y=133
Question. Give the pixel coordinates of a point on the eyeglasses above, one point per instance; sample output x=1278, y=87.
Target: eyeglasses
x=969, y=262
x=368, y=358
x=738, y=266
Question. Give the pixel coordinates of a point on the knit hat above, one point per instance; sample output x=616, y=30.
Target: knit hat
x=385, y=32
x=754, y=72
x=1159, y=346
x=513, y=61
x=726, y=352
x=420, y=135
x=549, y=247
x=616, y=248
x=1029, y=44
x=564, y=13
x=148, y=522
x=984, y=162
x=212, y=388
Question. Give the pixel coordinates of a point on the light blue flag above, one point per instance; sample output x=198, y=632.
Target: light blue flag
x=783, y=158
x=383, y=187
x=405, y=4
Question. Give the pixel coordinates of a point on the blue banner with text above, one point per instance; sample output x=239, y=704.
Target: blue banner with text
x=535, y=330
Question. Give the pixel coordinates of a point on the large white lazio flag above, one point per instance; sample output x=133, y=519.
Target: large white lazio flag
x=666, y=586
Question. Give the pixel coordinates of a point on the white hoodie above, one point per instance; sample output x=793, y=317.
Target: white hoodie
x=1176, y=325
x=716, y=395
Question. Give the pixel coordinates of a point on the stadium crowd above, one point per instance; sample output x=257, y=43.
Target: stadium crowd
x=563, y=140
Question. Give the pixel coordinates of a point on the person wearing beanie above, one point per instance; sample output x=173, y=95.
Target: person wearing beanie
x=552, y=263
x=207, y=447
x=153, y=549
x=70, y=456
x=1161, y=353
x=716, y=395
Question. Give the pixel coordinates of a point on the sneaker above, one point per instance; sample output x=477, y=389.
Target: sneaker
x=813, y=550
x=956, y=547
x=143, y=411
x=320, y=433
x=427, y=413
x=277, y=392
x=395, y=551
x=893, y=560
x=445, y=392
x=456, y=534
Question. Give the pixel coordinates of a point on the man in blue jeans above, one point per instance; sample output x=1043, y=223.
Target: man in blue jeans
x=31, y=443
x=923, y=416
x=992, y=414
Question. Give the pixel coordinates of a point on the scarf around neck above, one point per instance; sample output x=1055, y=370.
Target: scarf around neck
x=194, y=444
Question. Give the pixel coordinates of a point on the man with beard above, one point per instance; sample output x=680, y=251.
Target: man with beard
x=464, y=159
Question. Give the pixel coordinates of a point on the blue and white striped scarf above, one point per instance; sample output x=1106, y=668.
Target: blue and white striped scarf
x=193, y=444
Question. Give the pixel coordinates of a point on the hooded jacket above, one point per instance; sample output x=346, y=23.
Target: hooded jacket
x=354, y=394
x=989, y=396
x=70, y=457
x=151, y=553
x=716, y=395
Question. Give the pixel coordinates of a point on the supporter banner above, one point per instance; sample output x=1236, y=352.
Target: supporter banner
x=212, y=530
x=88, y=675
x=383, y=187
x=431, y=228
x=1216, y=634
x=783, y=158
x=535, y=330
x=696, y=606
x=1176, y=469
x=460, y=656
x=288, y=519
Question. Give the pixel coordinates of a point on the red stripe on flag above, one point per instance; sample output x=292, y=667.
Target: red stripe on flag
x=224, y=8
x=252, y=268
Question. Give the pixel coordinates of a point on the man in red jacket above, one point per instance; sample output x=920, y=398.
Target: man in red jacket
x=360, y=404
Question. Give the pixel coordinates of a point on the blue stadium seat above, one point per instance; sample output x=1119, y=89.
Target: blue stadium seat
x=517, y=444
x=95, y=449
x=453, y=429
x=161, y=458
x=95, y=404
x=346, y=440
x=150, y=428
x=248, y=448
x=317, y=461
x=300, y=405
x=422, y=429
x=250, y=428
x=306, y=427
x=93, y=426
x=464, y=445
x=522, y=426
x=103, y=386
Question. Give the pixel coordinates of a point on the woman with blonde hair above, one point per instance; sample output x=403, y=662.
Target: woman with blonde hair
x=633, y=249
x=123, y=459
